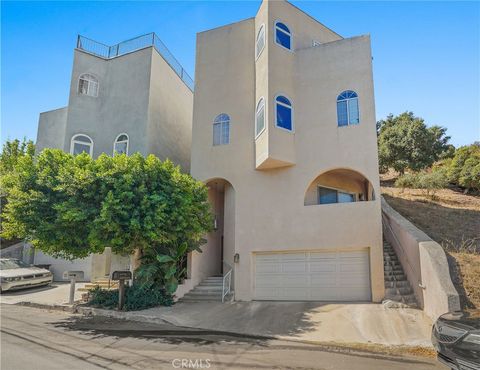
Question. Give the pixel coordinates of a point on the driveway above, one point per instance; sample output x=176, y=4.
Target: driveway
x=55, y=294
x=312, y=322
x=51, y=340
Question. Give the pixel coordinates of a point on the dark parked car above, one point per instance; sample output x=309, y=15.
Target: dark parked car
x=456, y=337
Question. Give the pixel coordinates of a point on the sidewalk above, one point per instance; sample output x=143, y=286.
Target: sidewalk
x=55, y=294
x=303, y=321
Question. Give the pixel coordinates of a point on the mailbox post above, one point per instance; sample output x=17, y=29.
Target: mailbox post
x=121, y=276
x=72, y=276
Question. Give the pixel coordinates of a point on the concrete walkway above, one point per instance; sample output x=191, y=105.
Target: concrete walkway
x=53, y=295
x=312, y=322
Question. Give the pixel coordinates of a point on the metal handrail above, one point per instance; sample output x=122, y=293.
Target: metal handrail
x=128, y=46
x=227, y=277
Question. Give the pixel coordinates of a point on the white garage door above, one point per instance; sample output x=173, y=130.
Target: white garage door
x=313, y=276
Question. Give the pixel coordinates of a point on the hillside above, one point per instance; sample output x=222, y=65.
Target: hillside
x=453, y=220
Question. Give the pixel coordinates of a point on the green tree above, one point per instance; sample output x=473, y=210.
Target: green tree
x=12, y=152
x=71, y=206
x=464, y=167
x=405, y=142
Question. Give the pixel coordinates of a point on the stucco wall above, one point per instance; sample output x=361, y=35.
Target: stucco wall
x=59, y=266
x=51, y=129
x=424, y=262
x=269, y=204
x=169, y=114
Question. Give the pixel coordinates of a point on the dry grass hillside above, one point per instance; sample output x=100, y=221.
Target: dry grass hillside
x=453, y=220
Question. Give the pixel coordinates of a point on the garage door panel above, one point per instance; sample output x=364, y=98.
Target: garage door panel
x=318, y=276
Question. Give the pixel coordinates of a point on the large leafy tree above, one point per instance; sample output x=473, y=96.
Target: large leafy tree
x=405, y=142
x=12, y=152
x=71, y=206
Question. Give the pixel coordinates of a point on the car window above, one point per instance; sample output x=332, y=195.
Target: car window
x=12, y=264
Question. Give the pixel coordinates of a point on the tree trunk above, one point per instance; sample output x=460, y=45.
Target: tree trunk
x=136, y=259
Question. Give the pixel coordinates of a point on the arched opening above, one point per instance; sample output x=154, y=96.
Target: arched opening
x=339, y=186
x=218, y=252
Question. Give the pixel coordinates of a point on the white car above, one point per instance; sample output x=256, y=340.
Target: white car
x=16, y=274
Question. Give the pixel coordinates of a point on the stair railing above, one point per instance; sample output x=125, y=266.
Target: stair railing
x=226, y=281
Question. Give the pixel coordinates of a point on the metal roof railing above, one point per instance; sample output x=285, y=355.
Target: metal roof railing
x=128, y=46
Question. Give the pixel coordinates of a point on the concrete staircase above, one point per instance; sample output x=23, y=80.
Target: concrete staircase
x=209, y=289
x=103, y=283
x=397, y=287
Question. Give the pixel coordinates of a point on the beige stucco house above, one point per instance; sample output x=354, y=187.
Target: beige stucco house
x=130, y=97
x=284, y=137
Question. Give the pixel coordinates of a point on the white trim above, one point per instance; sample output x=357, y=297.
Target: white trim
x=337, y=190
x=264, y=117
x=89, y=82
x=259, y=52
x=275, y=112
x=73, y=141
x=290, y=34
x=123, y=141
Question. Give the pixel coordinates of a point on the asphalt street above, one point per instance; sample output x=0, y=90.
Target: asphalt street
x=39, y=339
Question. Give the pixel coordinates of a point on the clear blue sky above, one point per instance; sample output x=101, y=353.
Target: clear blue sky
x=426, y=54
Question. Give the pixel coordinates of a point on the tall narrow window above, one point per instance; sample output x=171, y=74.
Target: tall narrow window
x=221, y=129
x=260, y=117
x=88, y=85
x=283, y=114
x=347, y=108
x=81, y=144
x=120, y=145
x=283, y=36
x=260, y=42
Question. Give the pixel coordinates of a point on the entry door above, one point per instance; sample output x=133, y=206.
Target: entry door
x=313, y=276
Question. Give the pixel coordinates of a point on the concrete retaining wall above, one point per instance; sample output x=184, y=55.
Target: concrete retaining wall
x=424, y=262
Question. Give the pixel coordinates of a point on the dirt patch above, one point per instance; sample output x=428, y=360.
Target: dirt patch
x=453, y=220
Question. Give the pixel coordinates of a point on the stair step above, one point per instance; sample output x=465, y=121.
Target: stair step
x=397, y=284
x=399, y=291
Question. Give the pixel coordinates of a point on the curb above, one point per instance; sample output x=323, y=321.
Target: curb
x=55, y=307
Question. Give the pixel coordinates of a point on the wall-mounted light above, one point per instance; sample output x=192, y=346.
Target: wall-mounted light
x=236, y=258
x=215, y=223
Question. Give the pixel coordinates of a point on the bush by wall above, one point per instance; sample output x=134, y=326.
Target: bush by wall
x=430, y=182
x=136, y=298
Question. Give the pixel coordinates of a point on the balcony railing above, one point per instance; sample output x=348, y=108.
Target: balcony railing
x=128, y=46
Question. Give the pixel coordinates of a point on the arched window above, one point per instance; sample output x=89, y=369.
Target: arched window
x=221, y=129
x=260, y=117
x=260, y=42
x=283, y=36
x=347, y=108
x=283, y=113
x=81, y=143
x=88, y=85
x=120, y=145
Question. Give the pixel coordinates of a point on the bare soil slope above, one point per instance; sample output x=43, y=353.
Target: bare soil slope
x=453, y=220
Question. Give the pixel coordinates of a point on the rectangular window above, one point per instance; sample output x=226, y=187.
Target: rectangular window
x=353, y=111
x=283, y=39
x=80, y=148
x=260, y=121
x=121, y=148
x=342, y=113
x=217, y=134
x=328, y=196
x=284, y=117
x=225, y=133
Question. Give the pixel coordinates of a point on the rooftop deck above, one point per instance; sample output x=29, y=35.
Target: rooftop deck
x=128, y=46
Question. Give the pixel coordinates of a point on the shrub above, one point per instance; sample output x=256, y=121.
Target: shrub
x=430, y=182
x=464, y=168
x=136, y=298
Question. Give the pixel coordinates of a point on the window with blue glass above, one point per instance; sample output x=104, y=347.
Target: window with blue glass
x=283, y=108
x=283, y=36
x=329, y=196
x=347, y=108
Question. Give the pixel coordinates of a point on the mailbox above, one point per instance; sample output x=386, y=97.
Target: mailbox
x=77, y=275
x=122, y=275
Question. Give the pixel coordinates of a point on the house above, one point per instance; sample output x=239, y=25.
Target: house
x=284, y=137
x=130, y=97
